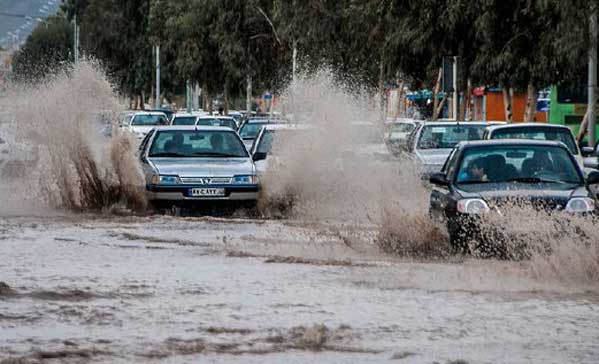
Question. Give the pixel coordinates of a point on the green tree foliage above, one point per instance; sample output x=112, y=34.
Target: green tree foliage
x=218, y=43
x=46, y=50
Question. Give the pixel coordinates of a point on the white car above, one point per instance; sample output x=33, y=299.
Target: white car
x=537, y=131
x=141, y=122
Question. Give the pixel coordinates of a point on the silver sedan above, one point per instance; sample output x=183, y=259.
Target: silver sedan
x=189, y=166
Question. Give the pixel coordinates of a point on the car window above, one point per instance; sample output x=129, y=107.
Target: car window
x=450, y=163
x=402, y=128
x=149, y=120
x=538, y=133
x=499, y=164
x=447, y=136
x=197, y=143
x=145, y=140
x=250, y=130
x=184, y=120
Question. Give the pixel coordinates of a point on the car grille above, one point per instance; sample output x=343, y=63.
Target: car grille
x=207, y=180
x=546, y=204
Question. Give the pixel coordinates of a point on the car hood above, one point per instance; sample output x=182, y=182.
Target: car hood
x=203, y=167
x=502, y=192
x=433, y=156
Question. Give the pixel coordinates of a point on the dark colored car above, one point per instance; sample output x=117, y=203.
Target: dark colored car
x=487, y=176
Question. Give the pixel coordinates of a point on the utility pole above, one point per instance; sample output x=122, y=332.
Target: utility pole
x=75, y=40
x=157, y=103
x=188, y=95
x=456, y=94
x=592, y=107
x=294, y=66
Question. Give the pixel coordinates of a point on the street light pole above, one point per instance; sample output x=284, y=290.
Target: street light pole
x=157, y=99
x=592, y=106
x=456, y=95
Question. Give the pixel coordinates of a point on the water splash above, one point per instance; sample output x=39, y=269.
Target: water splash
x=62, y=157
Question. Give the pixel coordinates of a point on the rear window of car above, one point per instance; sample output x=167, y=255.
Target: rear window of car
x=447, y=136
x=538, y=133
x=149, y=120
x=184, y=120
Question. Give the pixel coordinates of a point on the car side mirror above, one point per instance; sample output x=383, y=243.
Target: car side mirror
x=587, y=151
x=439, y=179
x=591, y=162
x=259, y=156
x=593, y=178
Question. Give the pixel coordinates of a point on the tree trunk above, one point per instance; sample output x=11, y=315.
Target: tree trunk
x=248, y=94
x=210, y=104
x=226, y=99
x=398, y=108
x=436, y=95
x=582, y=132
x=531, y=103
x=508, y=95
x=204, y=97
x=439, y=108
x=382, y=90
x=465, y=102
x=469, y=105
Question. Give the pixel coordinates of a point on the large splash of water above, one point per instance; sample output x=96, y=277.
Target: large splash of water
x=338, y=168
x=58, y=152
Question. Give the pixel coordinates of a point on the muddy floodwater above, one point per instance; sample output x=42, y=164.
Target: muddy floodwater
x=207, y=290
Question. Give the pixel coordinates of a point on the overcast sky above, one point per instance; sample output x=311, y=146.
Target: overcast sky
x=21, y=27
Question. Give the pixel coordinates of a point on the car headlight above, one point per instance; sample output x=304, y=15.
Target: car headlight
x=165, y=180
x=247, y=180
x=580, y=204
x=473, y=206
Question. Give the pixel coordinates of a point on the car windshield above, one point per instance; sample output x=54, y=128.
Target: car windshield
x=184, y=120
x=447, y=136
x=229, y=123
x=402, y=128
x=513, y=164
x=250, y=130
x=538, y=133
x=149, y=120
x=197, y=143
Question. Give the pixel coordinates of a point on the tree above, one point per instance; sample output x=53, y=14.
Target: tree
x=46, y=49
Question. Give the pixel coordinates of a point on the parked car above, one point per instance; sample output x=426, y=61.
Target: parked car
x=430, y=143
x=261, y=150
x=140, y=123
x=398, y=133
x=536, y=131
x=486, y=176
x=248, y=131
x=190, y=166
x=180, y=119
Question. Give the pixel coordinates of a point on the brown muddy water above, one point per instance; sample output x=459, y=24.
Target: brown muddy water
x=179, y=290
x=355, y=273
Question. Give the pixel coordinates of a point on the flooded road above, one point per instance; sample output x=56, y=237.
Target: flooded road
x=178, y=290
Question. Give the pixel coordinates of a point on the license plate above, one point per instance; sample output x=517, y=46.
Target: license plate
x=207, y=192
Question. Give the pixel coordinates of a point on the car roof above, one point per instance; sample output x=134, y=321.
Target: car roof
x=527, y=125
x=148, y=113
x=216, y=117
x=266, y=121
x=286, y=127
x=507, y=142
x=193, y=127
x=460, y=123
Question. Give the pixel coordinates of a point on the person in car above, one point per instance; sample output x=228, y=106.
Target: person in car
x=174, y=145
x=475, y=172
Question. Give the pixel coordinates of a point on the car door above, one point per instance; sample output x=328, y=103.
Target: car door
x=440, y=201
x=142, y=153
